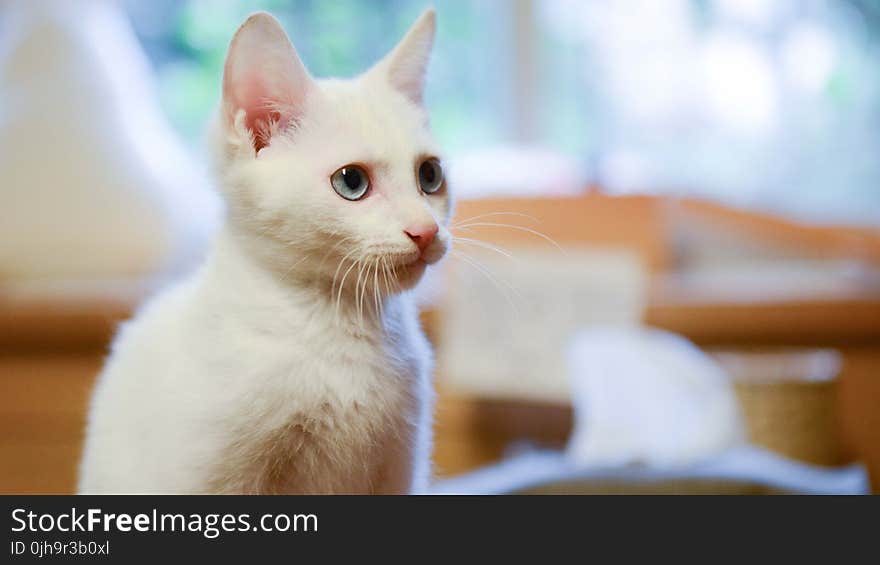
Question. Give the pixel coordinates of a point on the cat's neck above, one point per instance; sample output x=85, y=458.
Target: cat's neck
x=236, y=275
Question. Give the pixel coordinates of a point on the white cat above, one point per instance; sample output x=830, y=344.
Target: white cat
x=291, y=361
x=644, y=396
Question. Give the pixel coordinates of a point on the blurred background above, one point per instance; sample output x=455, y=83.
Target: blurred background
x=667, y=277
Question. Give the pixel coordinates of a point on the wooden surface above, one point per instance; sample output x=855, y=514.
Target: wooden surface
x=840, y=322
x=42, y=416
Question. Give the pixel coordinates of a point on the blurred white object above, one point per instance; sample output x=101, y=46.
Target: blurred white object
x=93, y=182
x=507, y=320
x=516, y=171
x=644, y=396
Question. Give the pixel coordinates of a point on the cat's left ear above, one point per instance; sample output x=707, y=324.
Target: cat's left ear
x=407, y=63
x=264, y=77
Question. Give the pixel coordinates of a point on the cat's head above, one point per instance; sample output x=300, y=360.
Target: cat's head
x=332, y=179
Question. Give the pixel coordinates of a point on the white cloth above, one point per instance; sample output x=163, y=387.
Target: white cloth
x=644, y=396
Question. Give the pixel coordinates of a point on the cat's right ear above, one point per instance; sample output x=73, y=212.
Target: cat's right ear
x=265, y=84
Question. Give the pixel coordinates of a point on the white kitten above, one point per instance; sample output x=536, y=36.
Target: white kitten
x=292, y=361
x=646, y=396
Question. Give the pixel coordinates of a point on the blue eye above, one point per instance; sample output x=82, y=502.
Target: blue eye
x=430, y=176
x=351, y=182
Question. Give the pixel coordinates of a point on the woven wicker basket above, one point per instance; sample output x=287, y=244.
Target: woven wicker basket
x=789, y=401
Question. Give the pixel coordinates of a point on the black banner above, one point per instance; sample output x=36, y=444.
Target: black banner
x=126, y=529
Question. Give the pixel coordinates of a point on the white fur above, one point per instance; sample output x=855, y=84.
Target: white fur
x=645, y=396
x=281, y=365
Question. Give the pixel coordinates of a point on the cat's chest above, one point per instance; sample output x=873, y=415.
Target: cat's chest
x=325, y=375
x=333, y=365
x=313, y=402
x=320, y=419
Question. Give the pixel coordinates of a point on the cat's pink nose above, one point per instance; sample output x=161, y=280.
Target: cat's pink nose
x=422, y=235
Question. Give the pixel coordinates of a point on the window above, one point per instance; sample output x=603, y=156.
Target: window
x=756, y=103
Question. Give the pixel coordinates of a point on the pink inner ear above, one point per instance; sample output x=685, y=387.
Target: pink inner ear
x=265, y=114
x=264, y=77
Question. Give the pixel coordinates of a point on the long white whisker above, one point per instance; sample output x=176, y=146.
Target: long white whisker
x=395, y=276
x=505, y=285
x=511, y=226
x=333, y=248
x=506, y=289
x=488, y=214
x=292, y=267
x=376, y=286
x=358, y=296
x=342, y=284
x=498, y=249
x=385, y=275
x=364, y=304
x=338, y=267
